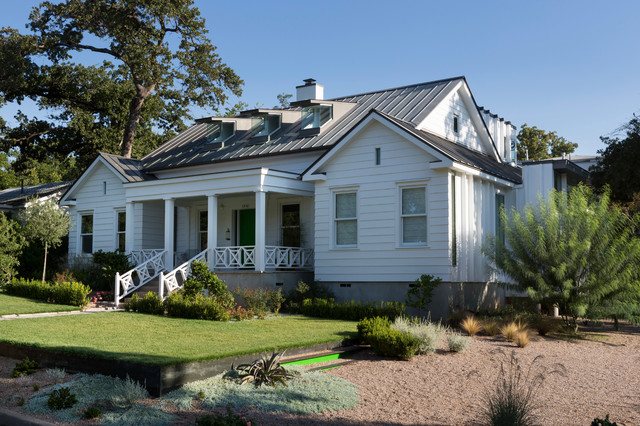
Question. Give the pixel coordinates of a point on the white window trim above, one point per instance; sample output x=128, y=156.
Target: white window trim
x=399, y=231
x=117, y=211
x=334, y=220
x=79, y=251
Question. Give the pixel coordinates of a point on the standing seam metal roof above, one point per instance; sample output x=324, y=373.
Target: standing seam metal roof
x=18, y=196
x=410, y=104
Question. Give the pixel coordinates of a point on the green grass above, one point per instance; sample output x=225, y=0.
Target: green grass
x=159, y=340
x=11, y=305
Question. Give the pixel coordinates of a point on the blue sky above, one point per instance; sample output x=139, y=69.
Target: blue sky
x=568, y=66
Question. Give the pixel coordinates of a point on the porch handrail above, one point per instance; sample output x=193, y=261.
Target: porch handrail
x=288, y=257
x=234, y=257
x=145, y=272
x=140, y=256
x=169, y=282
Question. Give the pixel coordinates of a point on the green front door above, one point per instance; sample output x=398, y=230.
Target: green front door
x=246, y=229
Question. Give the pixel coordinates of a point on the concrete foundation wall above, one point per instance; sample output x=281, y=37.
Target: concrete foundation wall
x=472, y=296
x=286, y=280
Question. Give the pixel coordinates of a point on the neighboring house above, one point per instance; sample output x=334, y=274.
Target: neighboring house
x=362, y=193
x=12, y=200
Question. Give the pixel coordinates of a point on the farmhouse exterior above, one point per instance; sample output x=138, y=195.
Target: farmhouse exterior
x=362, y=193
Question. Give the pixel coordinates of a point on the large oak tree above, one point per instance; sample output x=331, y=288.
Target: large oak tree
x=153, y=61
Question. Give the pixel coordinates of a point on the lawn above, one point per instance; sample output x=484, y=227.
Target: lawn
x=159, y=340
x=11, y=305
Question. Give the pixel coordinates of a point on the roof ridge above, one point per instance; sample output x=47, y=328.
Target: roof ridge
x=401, y=87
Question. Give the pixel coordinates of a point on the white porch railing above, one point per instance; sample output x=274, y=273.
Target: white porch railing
x=234, y=257
x=287, y=257
x=140, y=256
x=146, y=271
x=169, y=282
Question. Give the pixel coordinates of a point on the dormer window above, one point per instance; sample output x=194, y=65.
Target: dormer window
x=316, y=116
x=220, y=131
x=265, y=124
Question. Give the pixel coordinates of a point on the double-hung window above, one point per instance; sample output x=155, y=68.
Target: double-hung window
x=346, y=219
x=86, y=233
x=121, y=227
x=413, y=215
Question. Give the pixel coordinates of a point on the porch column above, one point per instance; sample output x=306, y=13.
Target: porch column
x=129, y=226
x=169, y=220
x=212, y=226
x=261, y=214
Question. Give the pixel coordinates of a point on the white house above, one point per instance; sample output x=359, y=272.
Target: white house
x=362, y=193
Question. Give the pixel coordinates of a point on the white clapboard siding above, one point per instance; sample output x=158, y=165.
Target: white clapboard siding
x=379, y=256
x=152, y=225
x=440, y=122
x=91, y=198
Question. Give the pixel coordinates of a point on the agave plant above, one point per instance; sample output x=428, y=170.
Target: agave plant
x=265, y=370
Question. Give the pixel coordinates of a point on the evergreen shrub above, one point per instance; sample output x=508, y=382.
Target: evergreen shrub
x=150, y=303
x=386, y=341
x=63, y=293
x=198, y=307
x=350, y=311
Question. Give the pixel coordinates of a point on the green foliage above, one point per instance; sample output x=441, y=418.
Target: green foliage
x=618, y=168
x=230, y=419
x=386, y=341
x=351, y=311
x=283, y=101
x=25, y=367
x=61, y=398
x=64, y=293
x=151, y=77
x=36, y=387
x=306, y=291
x=427, y=332
x=10, y=248
x=420, y=295
x=202, y=278
x=458, y=342
x=512, y=399
x=150, y=303
x=198, y=307
x=45, y=222
x=603, y=422
x=109, y=263
x=541, y=144
x=265, y=370
x=92, y=413
x=32, y=255
x=573, y=250
x=261, y=300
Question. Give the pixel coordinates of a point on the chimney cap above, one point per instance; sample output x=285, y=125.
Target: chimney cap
x=309, y=81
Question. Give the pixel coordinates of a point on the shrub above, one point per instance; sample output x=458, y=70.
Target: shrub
x=509, y=331
x=201, y=278
x=386, y=341
x=265, y=370
x=150, y=303
x=260, y=301
x=512, y=399
x=600, y=422
x=56, y=375
x=25, y=367
x=350, y=311
x=420, y=294
x=64, y=293
x=491, y=327
x=65, y=276
x=428, y=333
x=231, y=419
x=92, y=413
x=240, y=314
x=61, y=398
x=522, y=339
x=458, y=342
x=36, y=387
x=108, y=264
x=10, y=249
x=545, y=326
x=471, y=325
x=20, y=402
x=198, y=307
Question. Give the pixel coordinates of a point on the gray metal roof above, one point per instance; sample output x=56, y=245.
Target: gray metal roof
x=18, y=196
x=462, y=154
x=411, y=104
x=129, y=168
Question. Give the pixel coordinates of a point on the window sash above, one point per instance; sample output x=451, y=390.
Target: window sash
x=413, y=215
x=121, y=231
x=86, y=233
x=345, y=219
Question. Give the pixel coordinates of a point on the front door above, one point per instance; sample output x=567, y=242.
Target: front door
x=246, y=229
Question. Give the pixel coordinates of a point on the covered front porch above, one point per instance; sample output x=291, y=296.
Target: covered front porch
x=252, y=221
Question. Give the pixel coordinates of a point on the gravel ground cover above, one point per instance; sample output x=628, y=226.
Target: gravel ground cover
x=602, y=376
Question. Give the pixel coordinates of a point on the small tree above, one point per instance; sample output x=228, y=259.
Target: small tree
x=11, y=243
x=574, y=250
x=420, y=294
x=45, y=222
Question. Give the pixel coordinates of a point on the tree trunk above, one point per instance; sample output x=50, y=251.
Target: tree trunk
x=44, y=268
x=135, y=113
